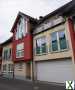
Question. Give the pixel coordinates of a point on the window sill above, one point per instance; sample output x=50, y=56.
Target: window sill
x=59, y=51
x=41, y=54
x=19, y=57
x=64, y=50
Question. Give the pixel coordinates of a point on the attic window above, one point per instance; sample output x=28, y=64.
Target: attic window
x=21, y=28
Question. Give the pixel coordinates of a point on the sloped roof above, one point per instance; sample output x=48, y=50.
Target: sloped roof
x=60, y=11
x=7, y=41
x=24, y=15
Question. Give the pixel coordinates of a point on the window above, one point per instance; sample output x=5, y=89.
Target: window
x=10, y=67
x=4, y=67
x=41, y=45
x=21, y=28
x=7, y=54
x=54, y=41
x=62, y=40
x=20, y=50
x=58, y=41
x=20, y=67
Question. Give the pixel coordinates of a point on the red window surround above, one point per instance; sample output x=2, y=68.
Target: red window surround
x=72, y=35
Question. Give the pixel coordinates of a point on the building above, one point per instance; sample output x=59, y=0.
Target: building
x=42, y=49
x=22, y=46
x=7, y=63
x=0, y=58
x=54, y=46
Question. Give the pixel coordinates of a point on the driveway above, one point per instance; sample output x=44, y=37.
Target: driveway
x=11, y=84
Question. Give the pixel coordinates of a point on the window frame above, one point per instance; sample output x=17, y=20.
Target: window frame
x=4, y=67
x=20, y=51
x=6, y=54
x=41, y=46
x=10, y=68
x=21, y=28
x=51, y=42
x=59, y=49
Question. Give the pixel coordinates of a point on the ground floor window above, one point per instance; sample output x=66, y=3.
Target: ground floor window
x=20, y=50
x=19, y=66
x=10, y=67
x=4, y=67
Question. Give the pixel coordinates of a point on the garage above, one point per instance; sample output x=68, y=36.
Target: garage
x=54, y=71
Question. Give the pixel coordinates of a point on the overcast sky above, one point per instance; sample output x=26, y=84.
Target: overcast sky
x=35, y=8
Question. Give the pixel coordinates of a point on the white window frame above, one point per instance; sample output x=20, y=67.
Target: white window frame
x=10, y=69
x=21, y=29
x=8, y=54
x=20, y=50
x=41, y=48
x=58, y=42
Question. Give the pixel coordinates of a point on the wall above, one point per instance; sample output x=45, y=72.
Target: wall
x=7, y=62
x=65, y=54
x=27, y=45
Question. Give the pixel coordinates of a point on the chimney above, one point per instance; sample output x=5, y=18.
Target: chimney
x=40, y=17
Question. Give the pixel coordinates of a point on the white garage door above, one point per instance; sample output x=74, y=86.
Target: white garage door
x=54, y=71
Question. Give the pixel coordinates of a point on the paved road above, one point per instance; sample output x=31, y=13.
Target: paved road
x=10, y=84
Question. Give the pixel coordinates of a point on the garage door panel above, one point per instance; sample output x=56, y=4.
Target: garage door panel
x=58, y=71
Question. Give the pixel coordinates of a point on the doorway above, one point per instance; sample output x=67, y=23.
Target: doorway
x=28, y=70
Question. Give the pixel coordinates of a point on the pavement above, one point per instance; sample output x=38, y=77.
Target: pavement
x=13, y=84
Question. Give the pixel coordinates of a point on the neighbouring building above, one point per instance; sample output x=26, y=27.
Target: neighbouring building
x=7, y=63
x=54, y=46
x=22, y=46
x=0, y=58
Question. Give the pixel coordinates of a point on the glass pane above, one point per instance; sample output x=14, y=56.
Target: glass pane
x=54, y=41
x=20, y=46
x=62, y=40
x=43, y=48
x=41, y=45
x=4, y=67
x=38, y=46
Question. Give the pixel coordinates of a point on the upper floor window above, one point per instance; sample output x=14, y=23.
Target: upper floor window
x=54, y=41
x=7, y=54
x=62, y=40
x=21, y=28
x=20, y=50
x=58, y=41
x=41, y=45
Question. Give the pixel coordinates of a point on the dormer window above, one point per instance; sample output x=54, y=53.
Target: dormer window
x=21, y=28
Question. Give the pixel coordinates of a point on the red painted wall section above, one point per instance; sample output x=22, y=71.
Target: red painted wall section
x=72, y=34
x=28, y=47
x=27, y=40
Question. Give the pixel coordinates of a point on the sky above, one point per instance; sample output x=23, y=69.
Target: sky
x=35, y=8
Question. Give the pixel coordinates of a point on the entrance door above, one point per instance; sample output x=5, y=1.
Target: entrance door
x=28, y=70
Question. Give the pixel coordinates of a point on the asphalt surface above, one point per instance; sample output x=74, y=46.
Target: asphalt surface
x=11, y=84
